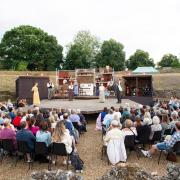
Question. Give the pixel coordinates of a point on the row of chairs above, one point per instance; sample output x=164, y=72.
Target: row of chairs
x=56, y=149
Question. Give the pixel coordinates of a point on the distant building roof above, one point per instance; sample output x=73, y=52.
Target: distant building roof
x=148, y=70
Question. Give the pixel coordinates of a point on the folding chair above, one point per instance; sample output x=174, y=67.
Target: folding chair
x=59, y=149
x=130, y=145
x=23, y=148
x=41, y=149
x=8, y=146
x=157, y=137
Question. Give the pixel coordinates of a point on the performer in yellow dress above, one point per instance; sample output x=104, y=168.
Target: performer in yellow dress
x=36, y=99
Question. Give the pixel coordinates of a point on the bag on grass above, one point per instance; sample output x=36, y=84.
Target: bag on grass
x=171, y=157
x=76, y=161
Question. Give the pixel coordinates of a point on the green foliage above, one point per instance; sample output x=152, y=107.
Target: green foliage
x=27, y=47
x=169, y=60
x=111, y=54
x=139, y=59
x=82, y=52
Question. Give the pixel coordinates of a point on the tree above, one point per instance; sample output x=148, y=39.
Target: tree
x=82, y=51
x=111, y=54
x=139, y=59
x=169, y=60
x=30, y=48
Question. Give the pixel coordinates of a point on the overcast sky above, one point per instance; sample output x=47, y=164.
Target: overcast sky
x=151, y=25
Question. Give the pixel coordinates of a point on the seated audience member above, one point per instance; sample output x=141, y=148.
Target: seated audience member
x=17, y=120
x=129, y=129
x=141, y=130
x=117, y=114
x=68, y=124
x=108, y=118
x=29, y=113
x=62, y=135
x=174, y=119
x=74, y=118
x=138, y=122
x=148, y=115
x=31, y=125
x=82, y=117
x=125, y=115
x=103, y=114
x=132, y=115
x=165, y=122
x=7, y=132
x=100, y=119
x=11, y=114
x=166, y=145
x=38, y=116
x=155, y=126
x=115, y=144
x=1, y=118
x=43, y=135
x=27, y=136
x=52, y=121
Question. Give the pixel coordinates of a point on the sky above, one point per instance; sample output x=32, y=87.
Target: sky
x=150, y=25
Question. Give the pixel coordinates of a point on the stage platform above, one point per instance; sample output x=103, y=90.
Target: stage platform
x=87, y=106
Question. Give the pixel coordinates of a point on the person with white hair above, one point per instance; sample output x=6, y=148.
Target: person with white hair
x=117, y=114
x=156, y=126
x=148, y=115
x=108, y=118
x=8, y=132
x=115, y=144
x=174, y=119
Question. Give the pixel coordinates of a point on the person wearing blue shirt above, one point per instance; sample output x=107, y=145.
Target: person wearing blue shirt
x=43, y=135
x=26, y=135
x=68, y=124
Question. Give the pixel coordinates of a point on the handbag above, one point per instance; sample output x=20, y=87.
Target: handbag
x=171, y=157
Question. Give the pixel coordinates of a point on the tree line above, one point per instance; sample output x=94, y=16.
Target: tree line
x=30, y=48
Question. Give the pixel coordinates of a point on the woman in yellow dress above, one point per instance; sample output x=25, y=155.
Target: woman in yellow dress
x=36, y=99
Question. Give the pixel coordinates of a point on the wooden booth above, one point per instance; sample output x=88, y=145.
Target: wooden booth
x=24, y=86
x=138, y=85
x=138, y=88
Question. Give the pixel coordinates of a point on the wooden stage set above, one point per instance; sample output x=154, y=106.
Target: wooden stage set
x=87, y=106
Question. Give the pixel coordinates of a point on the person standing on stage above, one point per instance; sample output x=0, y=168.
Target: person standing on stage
x=70, y=88
x=102, y=93
x=50, y=87
x=36, y=99
x=76, y=88
x=118, y=90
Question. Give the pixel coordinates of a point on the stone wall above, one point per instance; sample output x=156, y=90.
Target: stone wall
x=167, y=94
x=134, y=172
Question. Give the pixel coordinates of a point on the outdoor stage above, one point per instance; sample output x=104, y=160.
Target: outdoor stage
x=87, y=106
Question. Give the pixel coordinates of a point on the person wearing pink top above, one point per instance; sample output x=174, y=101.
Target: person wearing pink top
x=32, y=127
